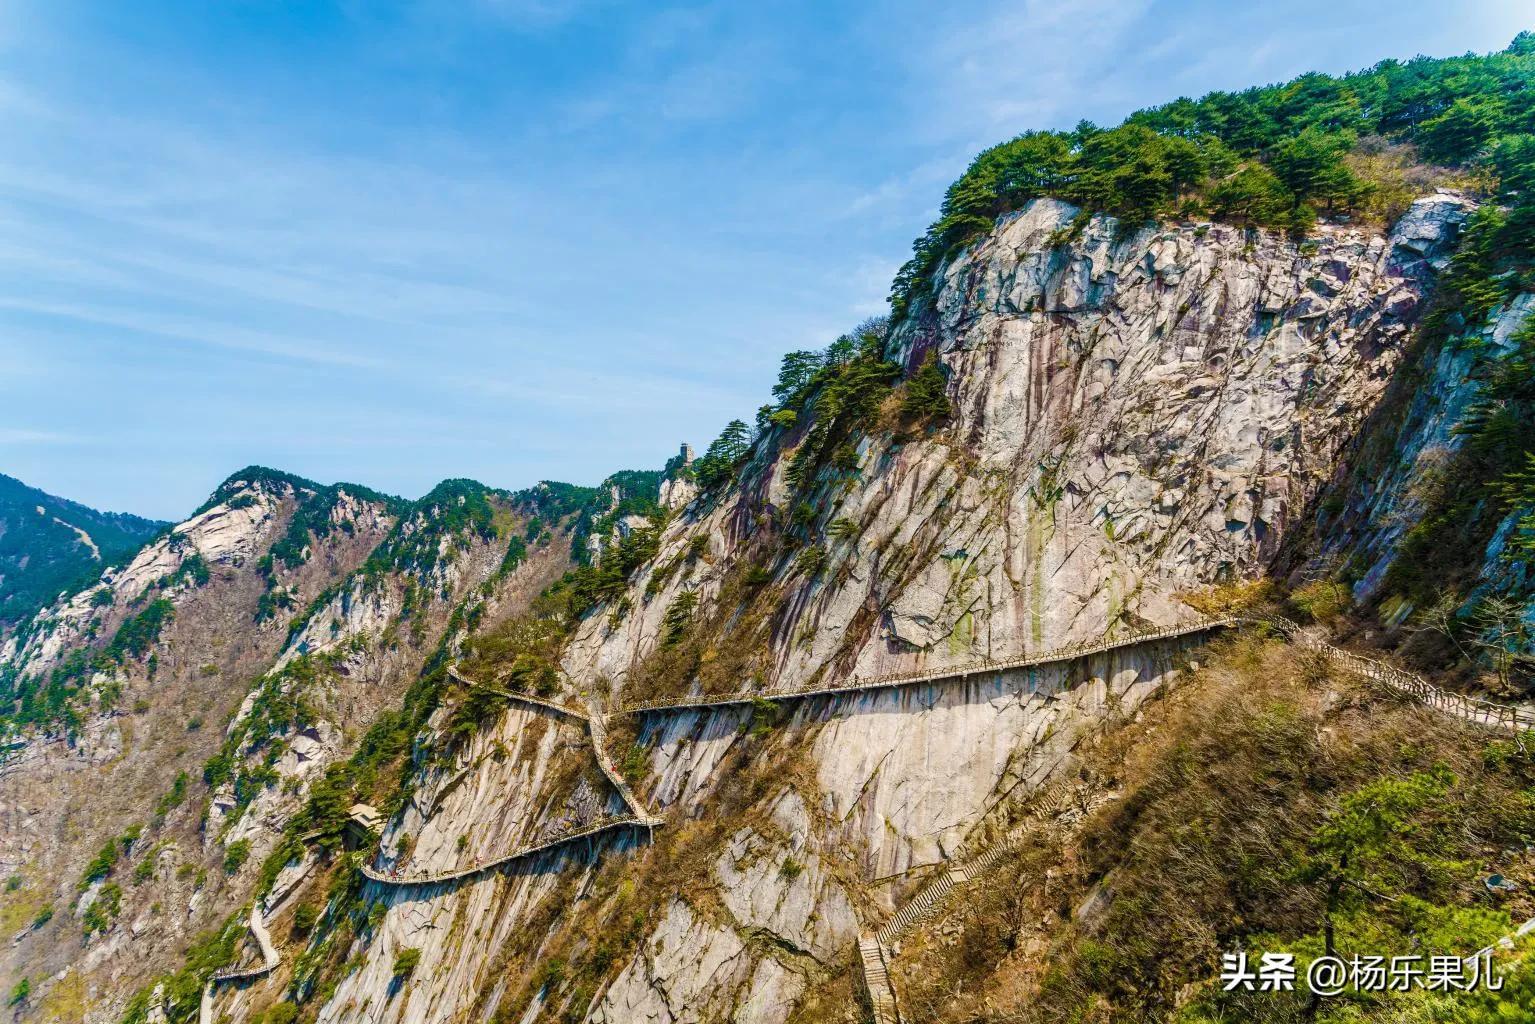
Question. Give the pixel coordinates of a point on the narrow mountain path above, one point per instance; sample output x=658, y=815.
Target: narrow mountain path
x=521, y=698
x=1475, y=710
x=874, y=950
x=1050, y=656
x=472, y=870
x=1471, y=709
x=269, y=961
x=638, y=815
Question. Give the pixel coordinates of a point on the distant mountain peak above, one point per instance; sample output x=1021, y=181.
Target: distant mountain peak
x=50, y=544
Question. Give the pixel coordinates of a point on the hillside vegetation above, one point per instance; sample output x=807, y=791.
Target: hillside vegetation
x=894, y=508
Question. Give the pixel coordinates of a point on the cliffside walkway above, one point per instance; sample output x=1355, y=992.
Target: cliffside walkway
x=1472, y=709
x=1050, y=656
x=597, y=729
x=471, y=870
x=874, y=950
x=521, y=698
x=269, y=961
x=639, y=816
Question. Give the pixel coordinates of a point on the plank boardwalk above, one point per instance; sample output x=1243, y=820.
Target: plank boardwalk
x=598, y=731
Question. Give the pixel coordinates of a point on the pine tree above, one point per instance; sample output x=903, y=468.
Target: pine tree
x=719, y=462
x=925, y=397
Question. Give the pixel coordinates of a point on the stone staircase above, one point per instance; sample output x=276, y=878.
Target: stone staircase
x=1506, y=717
x=925, y=904
x=597, y=729
x=876, y=980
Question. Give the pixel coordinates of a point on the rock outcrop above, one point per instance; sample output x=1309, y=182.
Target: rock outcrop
x=1134, y=416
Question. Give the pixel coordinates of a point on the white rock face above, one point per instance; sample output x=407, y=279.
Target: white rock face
x=902, y=775
x=228, y=534
x=787, y=892
x=688, y=973
x=1133, y=417
x=500, y=791
x=677, y=489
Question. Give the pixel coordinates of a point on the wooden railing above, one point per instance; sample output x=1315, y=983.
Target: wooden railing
x=988, y=666
x=478, y=868
x=1472, y=709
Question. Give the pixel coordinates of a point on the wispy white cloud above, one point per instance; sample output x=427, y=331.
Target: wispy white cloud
x=21, y=435
x=187, y=331
x=1008, y=66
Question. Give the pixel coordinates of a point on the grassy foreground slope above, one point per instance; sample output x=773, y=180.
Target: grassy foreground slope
x=1259, y=803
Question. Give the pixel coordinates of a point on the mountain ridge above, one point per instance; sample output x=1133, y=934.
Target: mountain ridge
x=49, y=545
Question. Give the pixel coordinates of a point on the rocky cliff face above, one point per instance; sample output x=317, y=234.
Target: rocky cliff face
x=1384, y=491
x=1135, y=416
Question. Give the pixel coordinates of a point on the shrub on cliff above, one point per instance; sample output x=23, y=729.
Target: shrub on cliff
x=925, y=397
x=405, y=962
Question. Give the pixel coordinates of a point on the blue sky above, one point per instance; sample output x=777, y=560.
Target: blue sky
x=393, y=242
